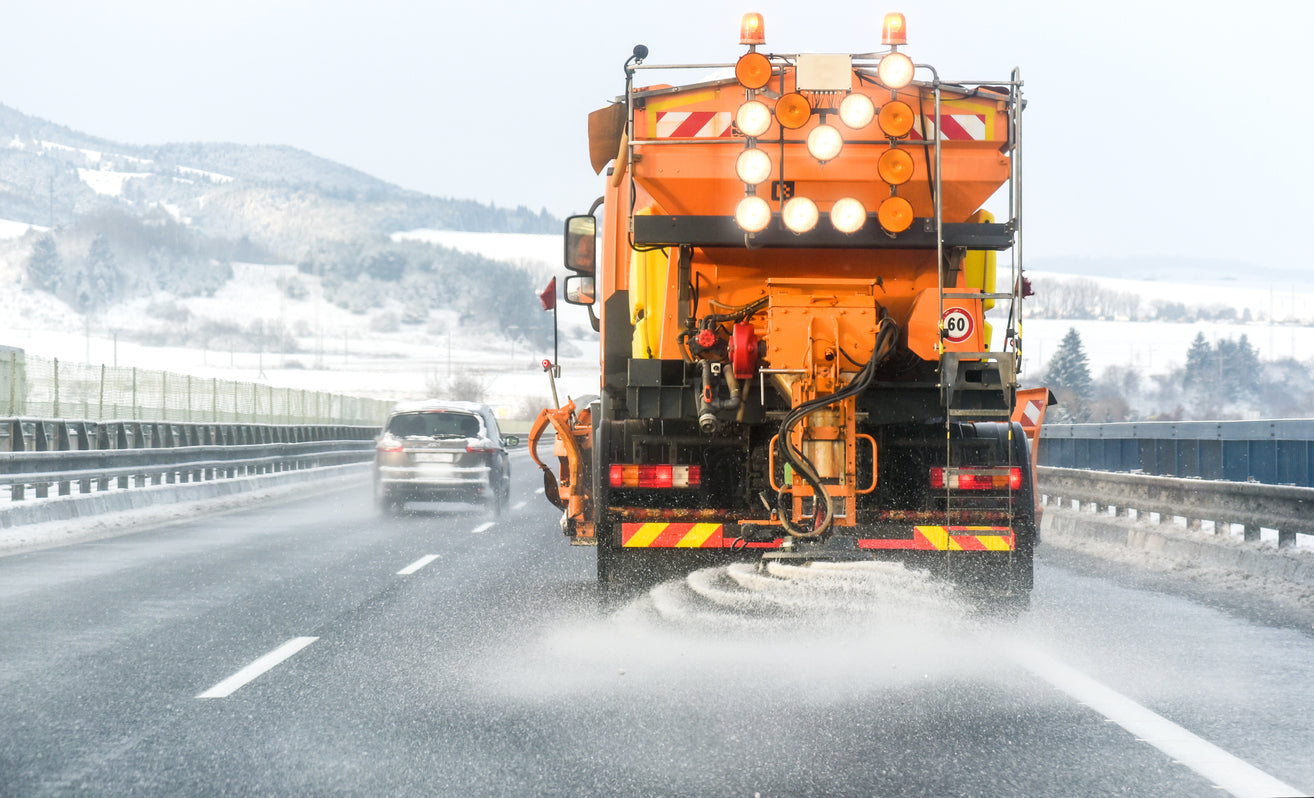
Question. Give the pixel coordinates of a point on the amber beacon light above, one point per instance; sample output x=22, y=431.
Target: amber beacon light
x=751, y=30
x=894, y=30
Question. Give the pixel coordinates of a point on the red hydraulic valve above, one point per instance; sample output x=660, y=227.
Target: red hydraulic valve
x=743, y=351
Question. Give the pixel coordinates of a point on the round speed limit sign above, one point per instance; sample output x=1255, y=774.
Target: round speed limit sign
x=958, y=325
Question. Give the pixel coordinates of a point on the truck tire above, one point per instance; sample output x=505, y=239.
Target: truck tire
x=623, y=572
x=604, y=531
x=610, y=572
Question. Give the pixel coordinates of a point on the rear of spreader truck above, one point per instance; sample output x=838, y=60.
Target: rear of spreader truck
x=791, y=297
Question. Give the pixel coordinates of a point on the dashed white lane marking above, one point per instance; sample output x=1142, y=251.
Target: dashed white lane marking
x=519, y=505
x=539, y=492
x=417, y=565
x=1224, y=770
x=484, y=527
x=230, y=685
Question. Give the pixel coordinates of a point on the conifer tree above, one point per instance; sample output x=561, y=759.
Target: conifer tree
x=99, y=277
x=1240, y=368
x=1069, y=367
x=1069, y=377
x=1199, y=358
x=44, y=265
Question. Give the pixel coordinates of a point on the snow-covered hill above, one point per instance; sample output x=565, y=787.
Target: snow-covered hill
x=328, y=348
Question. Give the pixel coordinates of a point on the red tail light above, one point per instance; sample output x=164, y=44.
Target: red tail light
x=388, y=448
x=655, y=476
x=977, y=478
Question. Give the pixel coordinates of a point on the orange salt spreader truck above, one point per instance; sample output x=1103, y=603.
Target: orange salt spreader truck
x=794, y=273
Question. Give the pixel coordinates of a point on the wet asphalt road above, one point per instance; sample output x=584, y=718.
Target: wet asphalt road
x=492, y=667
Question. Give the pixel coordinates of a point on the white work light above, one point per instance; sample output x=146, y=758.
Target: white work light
x=895, y=71
x=753, y=214
x=856, y=111
x=753, y=166
x=753, y=118
x=848, y=215
x=825, y=142
x=800, y=214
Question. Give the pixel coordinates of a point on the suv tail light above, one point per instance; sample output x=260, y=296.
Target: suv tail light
x=655, y=476
x=976, y=478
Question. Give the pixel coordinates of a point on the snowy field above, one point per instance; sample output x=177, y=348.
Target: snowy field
x=341, y=352
x=1157, y=347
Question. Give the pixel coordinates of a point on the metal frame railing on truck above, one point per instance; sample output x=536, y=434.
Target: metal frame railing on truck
x=45, y=453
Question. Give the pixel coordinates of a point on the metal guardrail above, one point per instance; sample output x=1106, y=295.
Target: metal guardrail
x=92, y=455
x=1254, y=506
x=1274, y=452
x=48, y=435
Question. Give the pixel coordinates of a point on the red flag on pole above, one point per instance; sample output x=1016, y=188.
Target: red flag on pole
x=549, y=295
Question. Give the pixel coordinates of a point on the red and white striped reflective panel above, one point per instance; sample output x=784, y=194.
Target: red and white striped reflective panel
x=1033, y=412
x=694, y=124
x=957, y=127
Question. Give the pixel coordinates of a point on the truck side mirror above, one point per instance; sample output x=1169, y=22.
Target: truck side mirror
x=581, y=249
x=580, y=289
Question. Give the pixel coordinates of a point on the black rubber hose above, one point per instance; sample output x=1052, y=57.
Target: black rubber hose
x=885, y=338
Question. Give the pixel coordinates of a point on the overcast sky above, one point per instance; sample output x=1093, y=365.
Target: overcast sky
x=1153, y=127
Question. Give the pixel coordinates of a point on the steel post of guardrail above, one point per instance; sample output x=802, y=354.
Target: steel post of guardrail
x=1287, y=509
x=41, y=489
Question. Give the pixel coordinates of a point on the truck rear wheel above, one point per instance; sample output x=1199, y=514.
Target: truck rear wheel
x=618, y=568
x=609, y=564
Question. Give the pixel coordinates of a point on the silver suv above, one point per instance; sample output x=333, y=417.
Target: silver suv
x=442, y=451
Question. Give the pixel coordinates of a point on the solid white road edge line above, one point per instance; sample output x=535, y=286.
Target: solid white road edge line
x=417, y=565
x=230, y=685
x=484, y=527
x=1224, y=770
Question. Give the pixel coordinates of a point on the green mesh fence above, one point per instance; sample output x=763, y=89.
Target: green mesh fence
x=40, y=388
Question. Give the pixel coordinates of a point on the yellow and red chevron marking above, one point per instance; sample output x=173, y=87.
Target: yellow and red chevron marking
x=672, y=536
x=693, y=124
x=949, y=538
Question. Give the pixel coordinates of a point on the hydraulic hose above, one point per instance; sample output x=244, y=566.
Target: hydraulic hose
x=885, y=338
x=709, y=407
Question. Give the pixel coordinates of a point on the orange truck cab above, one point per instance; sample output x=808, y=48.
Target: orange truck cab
x=806, y=349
